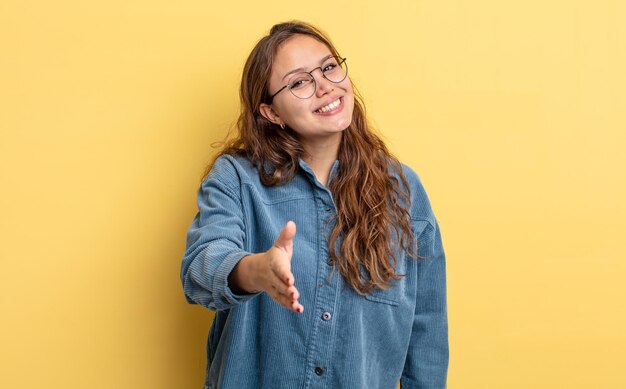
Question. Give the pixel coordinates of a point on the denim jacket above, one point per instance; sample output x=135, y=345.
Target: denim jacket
x=343, y=339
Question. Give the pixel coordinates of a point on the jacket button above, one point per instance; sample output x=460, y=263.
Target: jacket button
x=326, y=316
x=319, y=371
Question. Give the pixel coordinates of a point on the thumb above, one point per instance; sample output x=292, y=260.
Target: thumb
x=285, y=239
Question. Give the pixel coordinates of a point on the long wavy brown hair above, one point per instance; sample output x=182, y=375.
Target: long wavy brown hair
x=372, y=223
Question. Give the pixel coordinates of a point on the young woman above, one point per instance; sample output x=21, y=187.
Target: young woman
x=356, y=298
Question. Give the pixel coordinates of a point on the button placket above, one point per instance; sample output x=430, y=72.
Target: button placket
x=327, y=291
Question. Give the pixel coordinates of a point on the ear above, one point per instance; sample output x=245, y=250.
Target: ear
x=268, y=112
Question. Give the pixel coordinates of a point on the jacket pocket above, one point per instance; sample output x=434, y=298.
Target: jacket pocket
x=389, y=296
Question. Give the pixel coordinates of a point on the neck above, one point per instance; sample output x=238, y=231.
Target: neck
x=321, y=155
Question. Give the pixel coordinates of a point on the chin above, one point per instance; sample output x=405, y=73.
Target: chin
x=341, y=125
x=347, y=121
x=346, y=125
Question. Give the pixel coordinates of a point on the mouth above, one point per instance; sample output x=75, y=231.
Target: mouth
x=331, y=108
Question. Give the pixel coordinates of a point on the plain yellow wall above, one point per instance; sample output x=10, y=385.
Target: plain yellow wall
x=511, y=112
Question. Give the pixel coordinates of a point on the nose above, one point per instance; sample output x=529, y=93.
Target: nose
x=322, y=85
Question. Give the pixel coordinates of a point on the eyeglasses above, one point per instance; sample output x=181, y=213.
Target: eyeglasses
x=302, y=85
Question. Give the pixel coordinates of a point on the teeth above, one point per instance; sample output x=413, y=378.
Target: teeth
x=330, y=106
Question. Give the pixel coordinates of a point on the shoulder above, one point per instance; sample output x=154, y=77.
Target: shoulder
x=420, y=208
x=231, y=171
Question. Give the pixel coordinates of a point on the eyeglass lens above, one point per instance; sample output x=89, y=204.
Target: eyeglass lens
x=302, y=85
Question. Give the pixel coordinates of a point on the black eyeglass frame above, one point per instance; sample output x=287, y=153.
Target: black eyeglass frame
x=341, y=61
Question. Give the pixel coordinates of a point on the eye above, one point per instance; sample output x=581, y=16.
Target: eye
x=299, y=82
x=330, y=65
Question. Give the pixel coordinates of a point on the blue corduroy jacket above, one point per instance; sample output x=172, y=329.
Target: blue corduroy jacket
x=343, y=339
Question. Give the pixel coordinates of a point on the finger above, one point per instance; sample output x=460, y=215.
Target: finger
x=278, y=288
x=285, y=301
x=297, y=307
x=294, y=303
x=282, y=271
x=282, y=286
x=289, y=292
x=285, y=239
x=288, y=300
x=293, y=293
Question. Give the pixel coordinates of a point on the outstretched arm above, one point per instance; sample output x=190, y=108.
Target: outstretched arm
x=216, y=271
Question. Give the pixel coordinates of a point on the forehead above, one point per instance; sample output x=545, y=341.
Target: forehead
x=299, y=51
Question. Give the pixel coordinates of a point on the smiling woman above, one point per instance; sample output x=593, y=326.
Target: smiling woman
x=310, y=117
x=355, y=299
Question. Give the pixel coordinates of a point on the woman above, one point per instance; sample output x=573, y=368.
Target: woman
x=357, y=297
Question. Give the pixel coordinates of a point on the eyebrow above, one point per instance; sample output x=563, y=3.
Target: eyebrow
x=302, y=69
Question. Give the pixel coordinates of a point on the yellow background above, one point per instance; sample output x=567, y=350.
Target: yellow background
x=511, y=112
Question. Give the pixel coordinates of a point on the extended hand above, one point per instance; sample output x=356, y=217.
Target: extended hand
x=274, y=274
x=270, y=272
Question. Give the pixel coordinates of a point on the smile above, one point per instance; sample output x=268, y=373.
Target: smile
x=331, y=108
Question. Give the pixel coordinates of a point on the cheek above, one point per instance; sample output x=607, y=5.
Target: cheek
x=348, y=86
x=349, y=100
x=292, y=110
x=299, y=110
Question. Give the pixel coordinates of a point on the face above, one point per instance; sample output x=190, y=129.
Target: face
x=322, y=116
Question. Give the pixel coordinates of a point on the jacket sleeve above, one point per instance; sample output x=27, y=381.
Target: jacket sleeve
x=215, y=242
x=426, y=365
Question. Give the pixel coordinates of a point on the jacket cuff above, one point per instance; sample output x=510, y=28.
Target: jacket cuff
x=225, y=296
